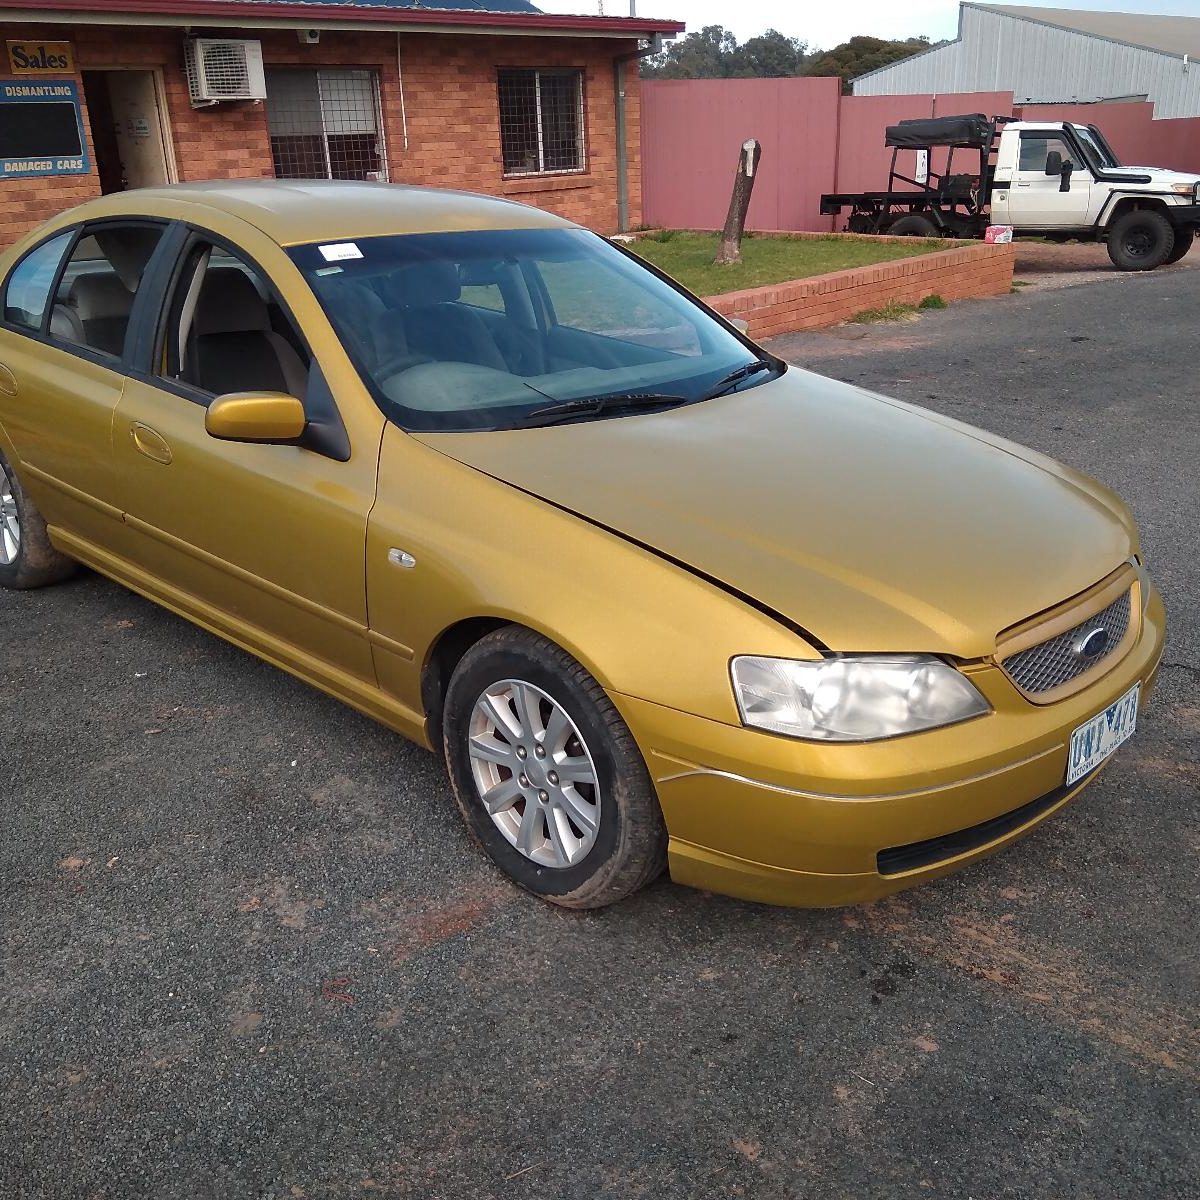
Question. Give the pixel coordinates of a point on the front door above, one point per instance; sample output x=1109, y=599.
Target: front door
x=1036, y=200
x=128, y=129
x=264, y=542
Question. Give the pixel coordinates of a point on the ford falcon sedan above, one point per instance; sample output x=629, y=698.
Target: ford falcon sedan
x=658, y=598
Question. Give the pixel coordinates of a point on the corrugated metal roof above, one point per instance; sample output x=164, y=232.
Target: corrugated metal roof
x=1166, y=34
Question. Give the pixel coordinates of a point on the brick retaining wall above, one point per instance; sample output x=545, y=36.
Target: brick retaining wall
x=968, y=270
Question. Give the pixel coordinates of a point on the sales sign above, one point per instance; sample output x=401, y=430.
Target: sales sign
x=40, y=58
x=41, y=129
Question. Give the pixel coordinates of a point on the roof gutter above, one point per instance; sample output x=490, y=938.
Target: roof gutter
x=263, y=14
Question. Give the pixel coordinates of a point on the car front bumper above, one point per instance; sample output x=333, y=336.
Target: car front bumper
x=781, y=821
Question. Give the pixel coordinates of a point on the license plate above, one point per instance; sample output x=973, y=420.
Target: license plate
x=1096, y=739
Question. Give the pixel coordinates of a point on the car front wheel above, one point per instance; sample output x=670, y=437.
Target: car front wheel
x=27, y=559
x=1140, y=240
x=547, y=775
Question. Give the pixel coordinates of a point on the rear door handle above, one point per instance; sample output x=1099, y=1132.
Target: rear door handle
x=150, y=442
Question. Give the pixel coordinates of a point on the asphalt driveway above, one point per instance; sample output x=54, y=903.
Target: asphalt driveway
x=249, y=953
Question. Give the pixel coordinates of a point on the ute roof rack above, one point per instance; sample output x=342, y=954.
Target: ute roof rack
x=973, y=129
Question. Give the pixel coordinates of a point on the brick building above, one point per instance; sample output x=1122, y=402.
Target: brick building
x=487, y=95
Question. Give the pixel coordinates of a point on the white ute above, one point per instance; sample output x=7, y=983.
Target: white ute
x=1058, y=180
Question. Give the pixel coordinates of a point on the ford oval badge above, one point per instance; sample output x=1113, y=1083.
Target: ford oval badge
x=1092, y=643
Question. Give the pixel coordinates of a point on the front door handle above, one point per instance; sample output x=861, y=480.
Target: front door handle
x=150, y=442
x=8, y=381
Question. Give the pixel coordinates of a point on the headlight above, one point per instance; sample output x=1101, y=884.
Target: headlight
x=1187, y=189
x=853, y=699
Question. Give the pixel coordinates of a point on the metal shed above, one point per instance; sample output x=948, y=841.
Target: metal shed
x=1057, y=55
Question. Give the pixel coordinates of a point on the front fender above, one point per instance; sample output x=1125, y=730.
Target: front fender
x=642, y=625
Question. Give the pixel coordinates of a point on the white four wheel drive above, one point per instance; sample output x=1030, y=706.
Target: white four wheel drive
x=1058, y=180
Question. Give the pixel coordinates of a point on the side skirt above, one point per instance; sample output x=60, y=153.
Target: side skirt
x=342, y=686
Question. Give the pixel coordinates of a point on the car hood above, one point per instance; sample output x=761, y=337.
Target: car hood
x=871, y=524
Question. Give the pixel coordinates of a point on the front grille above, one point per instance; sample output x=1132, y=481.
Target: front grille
x=1055, y=662
x=898, y=859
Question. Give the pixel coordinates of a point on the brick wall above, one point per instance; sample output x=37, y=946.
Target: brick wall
x=449, y=85
x=970, y=269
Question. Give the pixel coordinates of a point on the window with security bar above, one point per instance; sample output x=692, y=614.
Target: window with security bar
x=325, y=124
x=541, y=121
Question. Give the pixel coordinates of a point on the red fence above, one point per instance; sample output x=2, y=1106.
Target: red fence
x=815, y=140
x=691, y=133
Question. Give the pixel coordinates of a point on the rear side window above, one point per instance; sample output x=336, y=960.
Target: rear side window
x=96, y=293
x=28, y=290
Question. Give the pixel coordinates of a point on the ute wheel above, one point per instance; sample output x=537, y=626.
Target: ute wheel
x=27, y=560
x=1140, y=240
x=861, y=223
x=547, y=775
x=1183, y=243
x=914, y=225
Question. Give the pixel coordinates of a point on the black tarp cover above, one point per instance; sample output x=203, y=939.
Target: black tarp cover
x=973, y=129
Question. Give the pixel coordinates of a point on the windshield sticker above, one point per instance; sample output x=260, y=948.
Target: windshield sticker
x=340, y=251
x=328, y=271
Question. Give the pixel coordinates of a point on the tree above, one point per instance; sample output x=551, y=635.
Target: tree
x=862, y=54
x=714, y=53
x=704, y=55
x=771, y=55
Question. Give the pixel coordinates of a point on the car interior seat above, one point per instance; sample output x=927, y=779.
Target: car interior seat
x=424, y=318
x=232, y=346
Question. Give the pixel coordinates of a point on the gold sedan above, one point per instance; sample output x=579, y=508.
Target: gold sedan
x=657, y=597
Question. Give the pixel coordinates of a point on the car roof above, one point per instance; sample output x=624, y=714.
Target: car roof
x=293, y=212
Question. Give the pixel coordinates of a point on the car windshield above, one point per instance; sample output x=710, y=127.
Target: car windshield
x=1099, y=153
x=492, y=329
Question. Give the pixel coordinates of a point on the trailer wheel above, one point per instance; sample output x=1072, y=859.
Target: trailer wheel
x=1140, y=240
x=914, y=225
x=1183, y=243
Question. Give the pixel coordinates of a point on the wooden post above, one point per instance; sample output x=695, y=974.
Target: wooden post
x=730, y=249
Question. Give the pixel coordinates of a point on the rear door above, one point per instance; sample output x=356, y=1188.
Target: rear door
x=67, y=318
x=269, y=539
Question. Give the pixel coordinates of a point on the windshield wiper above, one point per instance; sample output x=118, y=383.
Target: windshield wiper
x=594, y=405
x=737, y=375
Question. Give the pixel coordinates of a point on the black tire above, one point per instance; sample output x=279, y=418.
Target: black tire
x=914, y=225
x=1140, y=240
x=35, y=563
x=630, y=843
x=1183, y=243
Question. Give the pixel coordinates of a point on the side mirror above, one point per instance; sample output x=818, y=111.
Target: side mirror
x=256, y=417
x=740, y=324
x=1065, y=182
x=1054, y=163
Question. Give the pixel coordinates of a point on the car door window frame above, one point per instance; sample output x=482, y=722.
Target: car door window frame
x=67, y=231
x=114, y=362
x=326, y=433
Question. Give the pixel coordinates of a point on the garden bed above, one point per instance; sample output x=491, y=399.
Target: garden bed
x=769, y=258
x=876, y=274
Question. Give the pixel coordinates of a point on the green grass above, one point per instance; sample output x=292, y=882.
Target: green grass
x=897, y=310
x=688, y=257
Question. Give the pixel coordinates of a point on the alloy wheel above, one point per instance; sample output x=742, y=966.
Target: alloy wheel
x=534, y=774
x=10, y=521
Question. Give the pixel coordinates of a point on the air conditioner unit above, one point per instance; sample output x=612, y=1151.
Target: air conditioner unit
x=224, y=69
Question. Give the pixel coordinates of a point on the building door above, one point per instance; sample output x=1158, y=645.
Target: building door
x=128, y=129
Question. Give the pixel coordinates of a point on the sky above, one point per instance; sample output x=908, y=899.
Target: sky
x=824, y=24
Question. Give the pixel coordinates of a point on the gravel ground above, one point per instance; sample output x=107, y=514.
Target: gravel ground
x=249, y=953
x=1043, y=265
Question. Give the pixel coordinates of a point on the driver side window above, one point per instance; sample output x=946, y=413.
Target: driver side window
x=227, y=332
x=1036, y=150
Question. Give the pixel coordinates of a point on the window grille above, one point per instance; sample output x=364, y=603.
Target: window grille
x=325, y=125
x=541, y=121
